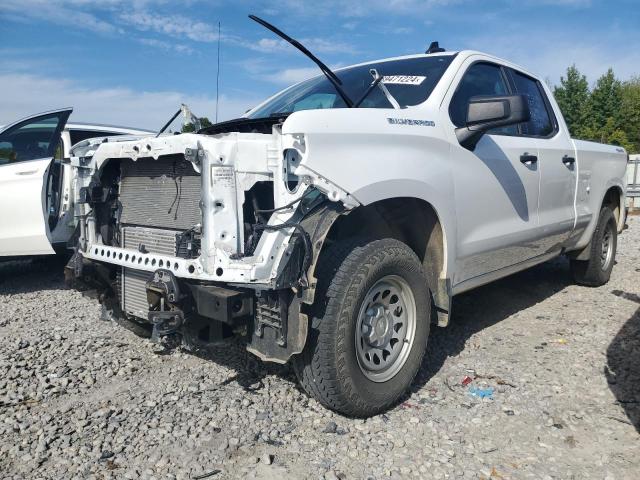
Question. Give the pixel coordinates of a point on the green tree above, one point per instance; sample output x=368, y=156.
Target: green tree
x=609, y=133
x=572, y=96
x=605, y=102
x=189, y=127
x=630, y=112
x=609, y=113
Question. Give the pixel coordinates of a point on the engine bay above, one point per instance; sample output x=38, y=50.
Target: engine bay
x=208, y=234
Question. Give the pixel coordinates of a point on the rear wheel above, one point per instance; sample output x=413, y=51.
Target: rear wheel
x=596, y=271
x=369, y=329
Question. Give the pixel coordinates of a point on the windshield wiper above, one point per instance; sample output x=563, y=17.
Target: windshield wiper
x=377, y=82
x=189, y=117
x=336, y=82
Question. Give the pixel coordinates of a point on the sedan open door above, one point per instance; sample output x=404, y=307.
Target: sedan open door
x=27, y=149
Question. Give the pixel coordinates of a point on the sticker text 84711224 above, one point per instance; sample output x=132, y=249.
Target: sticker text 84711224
x=403, y=79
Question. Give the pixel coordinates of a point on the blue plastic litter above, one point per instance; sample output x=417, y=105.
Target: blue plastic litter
x=481, y=392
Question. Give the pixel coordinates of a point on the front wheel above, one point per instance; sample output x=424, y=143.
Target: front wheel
x=369, y=329
x=596, y=271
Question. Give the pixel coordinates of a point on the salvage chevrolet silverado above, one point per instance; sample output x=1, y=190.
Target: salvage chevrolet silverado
x=333, y=224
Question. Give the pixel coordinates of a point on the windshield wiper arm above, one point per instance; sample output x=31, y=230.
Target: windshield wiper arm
x=377, y=82
x=377, y=78
x=166, y=125
x=337, y=83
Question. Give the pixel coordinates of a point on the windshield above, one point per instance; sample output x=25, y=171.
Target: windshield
x=319, y=93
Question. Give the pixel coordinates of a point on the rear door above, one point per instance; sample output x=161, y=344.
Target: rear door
x=27, y=148
x=556, y=161
x=496, y=184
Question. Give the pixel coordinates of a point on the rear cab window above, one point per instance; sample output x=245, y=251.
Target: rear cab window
x=542, y=122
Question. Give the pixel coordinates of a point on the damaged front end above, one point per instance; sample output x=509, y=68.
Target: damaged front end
x=206, y=235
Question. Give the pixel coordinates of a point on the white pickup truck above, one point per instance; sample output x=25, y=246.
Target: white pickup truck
x=332, y=232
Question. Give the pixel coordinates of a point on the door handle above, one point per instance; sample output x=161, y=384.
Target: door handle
x=27, y=172
x=567, y=160
x=528, y=159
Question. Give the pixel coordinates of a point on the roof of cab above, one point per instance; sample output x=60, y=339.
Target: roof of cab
x=464, y=53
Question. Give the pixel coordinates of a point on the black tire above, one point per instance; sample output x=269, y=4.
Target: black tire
x=595, y=272
x=328, y=368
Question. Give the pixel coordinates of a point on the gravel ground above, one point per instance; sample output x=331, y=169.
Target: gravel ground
x=84, y=398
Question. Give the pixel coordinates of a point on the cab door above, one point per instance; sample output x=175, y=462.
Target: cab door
x=557, y=163
x=496, y=184
x=27, y=148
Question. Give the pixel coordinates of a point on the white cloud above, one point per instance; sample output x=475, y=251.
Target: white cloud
x=398, y=30
x=168, y=46
x=561, y=3
x=360, y=8
x=181, y=27
x=58, y=12
x=318, y=45
x=290, y=76
x=555, y=52
x=177, y=26
x=25, y=94
x=116, y=16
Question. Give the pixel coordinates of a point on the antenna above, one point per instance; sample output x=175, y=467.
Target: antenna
x=434, y=48
x=218, y=75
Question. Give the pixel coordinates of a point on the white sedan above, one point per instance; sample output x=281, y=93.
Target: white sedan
x=36, y=213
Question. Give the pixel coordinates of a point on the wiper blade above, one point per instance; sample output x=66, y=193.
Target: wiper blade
x=337, y=83
x=166, y=125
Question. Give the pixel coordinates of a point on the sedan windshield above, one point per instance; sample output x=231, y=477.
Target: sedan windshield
x=410, y=81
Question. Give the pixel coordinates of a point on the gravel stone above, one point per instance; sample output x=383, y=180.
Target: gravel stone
x=83, y=398
x=331, y=427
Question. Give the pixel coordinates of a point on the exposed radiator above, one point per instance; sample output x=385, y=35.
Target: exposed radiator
x=154, y=240
x=161, y=193
x=133, y=295
x=134, y=292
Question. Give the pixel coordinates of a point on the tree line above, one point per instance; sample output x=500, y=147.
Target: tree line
x=609, y=112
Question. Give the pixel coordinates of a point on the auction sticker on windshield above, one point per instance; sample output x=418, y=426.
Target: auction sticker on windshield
x=403, y=79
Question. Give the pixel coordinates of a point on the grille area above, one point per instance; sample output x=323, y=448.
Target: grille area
x=159, y=199
x=162, y=193
x=153, y=239
x=133, y=295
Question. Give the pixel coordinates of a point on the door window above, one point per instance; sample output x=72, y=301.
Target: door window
x=6, y=152
x=540, y=124
x=31, y=139
x=480, y=79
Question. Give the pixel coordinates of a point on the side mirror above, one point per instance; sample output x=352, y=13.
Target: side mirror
x=485, y=113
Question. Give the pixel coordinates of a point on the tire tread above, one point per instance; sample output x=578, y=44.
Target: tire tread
x=343, y=269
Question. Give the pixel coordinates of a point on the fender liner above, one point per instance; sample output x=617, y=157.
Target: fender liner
x=287, y=336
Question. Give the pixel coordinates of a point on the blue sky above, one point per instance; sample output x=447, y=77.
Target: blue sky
x=133, y=62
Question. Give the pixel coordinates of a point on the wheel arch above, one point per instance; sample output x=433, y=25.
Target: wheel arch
x=411, y=220
x=614, y=199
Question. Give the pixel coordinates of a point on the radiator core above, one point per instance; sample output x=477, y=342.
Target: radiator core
x=133, y=294
x=163, y=193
